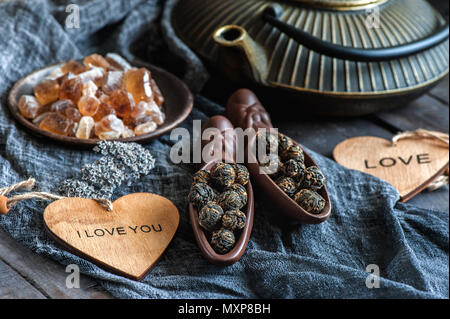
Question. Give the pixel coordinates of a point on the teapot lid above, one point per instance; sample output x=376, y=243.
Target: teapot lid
x=341, y=4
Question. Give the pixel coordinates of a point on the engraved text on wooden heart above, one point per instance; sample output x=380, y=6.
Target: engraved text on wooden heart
x=128, y=240
x=410, y=166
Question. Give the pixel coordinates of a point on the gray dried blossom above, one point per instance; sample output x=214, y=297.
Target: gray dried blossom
x=119, y=162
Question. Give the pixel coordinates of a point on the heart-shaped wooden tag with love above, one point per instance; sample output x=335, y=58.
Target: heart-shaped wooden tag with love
x=410, y=165
x=128, y=240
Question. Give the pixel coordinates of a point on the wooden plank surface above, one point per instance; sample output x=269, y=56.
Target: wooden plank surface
x=13, y=286
x=41, y=274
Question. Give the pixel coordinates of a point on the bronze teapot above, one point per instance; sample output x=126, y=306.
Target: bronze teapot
x=337, y=57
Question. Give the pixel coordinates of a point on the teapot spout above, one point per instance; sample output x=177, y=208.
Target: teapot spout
x=240, y=57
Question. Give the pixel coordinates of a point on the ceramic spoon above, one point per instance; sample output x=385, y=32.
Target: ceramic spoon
x=227, y=154
x=245, y=111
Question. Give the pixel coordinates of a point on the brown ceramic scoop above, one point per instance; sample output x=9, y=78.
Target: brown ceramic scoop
x=227, y=154
x=245, y=111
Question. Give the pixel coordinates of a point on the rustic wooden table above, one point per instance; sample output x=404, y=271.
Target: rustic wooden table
x=24, y=274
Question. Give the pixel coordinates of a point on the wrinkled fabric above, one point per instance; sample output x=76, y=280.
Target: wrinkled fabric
x=368, y=225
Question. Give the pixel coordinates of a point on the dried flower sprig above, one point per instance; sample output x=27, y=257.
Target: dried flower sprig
x=120, y=162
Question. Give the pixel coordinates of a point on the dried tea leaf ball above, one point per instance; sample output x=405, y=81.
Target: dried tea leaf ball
x=223, y=174
x=242, y=174
x=283, y=142
x=241, y=190
x=201, y=176
x=292, y=152
x=200, y=194
x=223, y=240
x=270, y=140
x=294, y=169
x=310, y=201
x=313, y=179
x=234, y=220
x=210, y=216
x=271, y=165
x=287, y=185
x=230, y=199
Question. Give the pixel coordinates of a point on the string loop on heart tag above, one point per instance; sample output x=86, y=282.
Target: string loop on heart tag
x=442, y=180
x=421, y=133
x=7, y=202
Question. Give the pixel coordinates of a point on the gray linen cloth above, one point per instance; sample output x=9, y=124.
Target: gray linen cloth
x=367, y=226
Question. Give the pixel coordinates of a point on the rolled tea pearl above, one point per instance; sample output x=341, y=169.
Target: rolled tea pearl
x=270, y=140
x=145, y=128
x=283, y=142
x=210, y=216
x=295, y=169
x=231, y=199
x=223, y=174
x=238, y=188
x=223, y=240
x=310, y=201
x=271, y=165
x=234, y=220
x=200, y=194
x=201, y=176
x=313, y=178
x=242, y=174
x=292, y=152
x=85, y=127
x=287, y=185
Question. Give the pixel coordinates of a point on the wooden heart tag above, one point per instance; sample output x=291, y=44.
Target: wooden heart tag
x=410, y=166
x=128, y=241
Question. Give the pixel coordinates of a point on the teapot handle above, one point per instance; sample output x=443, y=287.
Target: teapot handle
x=271, y=15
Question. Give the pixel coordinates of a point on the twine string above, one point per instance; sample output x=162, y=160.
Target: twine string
x=28, y=185
x=419, y=134
x=442, y=180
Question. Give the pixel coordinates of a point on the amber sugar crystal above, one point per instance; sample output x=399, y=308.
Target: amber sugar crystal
x=103, y=98
x=88, y=105
x=71, y=89
x=73, y=67
x=138, y=83
x=103, y=110
x=122, y=102
x=29, y=107
x=47, y=91
x=157, y=94
x=96, y=60
x=56, y=123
